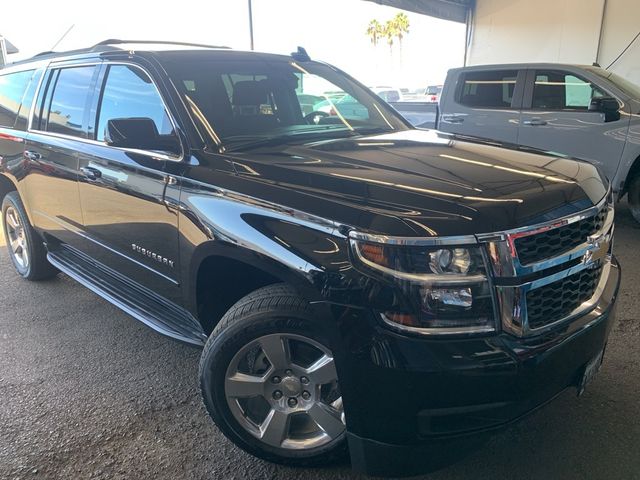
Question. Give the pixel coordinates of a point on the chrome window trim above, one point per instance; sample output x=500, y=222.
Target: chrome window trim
x=148, y=153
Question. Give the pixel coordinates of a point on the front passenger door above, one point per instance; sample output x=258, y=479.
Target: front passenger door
x=130, y=225
x=557, y=119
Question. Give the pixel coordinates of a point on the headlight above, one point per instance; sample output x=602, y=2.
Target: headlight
x=445, y=288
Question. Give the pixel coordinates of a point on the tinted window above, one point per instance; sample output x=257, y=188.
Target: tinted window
x=69, y=100
x=12, y=88
x=560, y=91
x=129, y=93
x=488, y=89
x=27, y=100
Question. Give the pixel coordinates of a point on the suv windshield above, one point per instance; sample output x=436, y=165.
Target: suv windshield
x=241, y=103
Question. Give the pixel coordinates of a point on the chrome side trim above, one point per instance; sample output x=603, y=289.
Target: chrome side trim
x=414, y=241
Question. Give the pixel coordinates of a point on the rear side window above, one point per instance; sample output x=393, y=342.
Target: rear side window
x=12, y=88
x=555, y=90
x=130, y=93
x=488, y=89
x=68, y=104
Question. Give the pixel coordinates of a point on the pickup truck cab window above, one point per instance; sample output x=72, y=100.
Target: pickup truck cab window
x=12, y=88
x=68, y=103
x=488, y=89
x=562, y=90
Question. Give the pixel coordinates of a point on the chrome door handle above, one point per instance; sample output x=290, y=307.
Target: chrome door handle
x=452, y=118
x=535, y=122
x=91, y=173
x=30, y=155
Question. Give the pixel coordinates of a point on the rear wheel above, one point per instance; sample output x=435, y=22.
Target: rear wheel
x=634, y=197
x=269, y=380
x=25, y=246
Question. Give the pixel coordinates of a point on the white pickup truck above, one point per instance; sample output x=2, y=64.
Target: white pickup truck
x=583, y=112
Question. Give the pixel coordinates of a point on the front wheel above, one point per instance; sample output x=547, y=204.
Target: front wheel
x=269, y=380
x=634, y=197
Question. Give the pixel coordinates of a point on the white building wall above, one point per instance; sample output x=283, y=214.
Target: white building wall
x=509, y=31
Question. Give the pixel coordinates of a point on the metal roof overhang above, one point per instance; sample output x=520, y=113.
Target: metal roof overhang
x=454, y=10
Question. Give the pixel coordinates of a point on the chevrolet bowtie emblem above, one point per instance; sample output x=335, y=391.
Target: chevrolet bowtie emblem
x=598, y=248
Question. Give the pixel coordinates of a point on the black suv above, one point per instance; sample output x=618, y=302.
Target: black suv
x=354, y=282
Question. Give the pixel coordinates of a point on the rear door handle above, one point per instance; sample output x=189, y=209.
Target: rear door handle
x=452, y=118
x=30, y=155
x=535, y=122
x=91, y=173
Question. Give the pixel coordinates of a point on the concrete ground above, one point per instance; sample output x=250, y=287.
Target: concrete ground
x=88, y=392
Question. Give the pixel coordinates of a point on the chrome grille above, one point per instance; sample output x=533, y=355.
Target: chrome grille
x=557, y=300
x=546, y=274
x=555, y=241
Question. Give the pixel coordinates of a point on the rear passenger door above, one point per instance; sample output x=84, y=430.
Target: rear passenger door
x=556, y=117
x=59, y=127
x=130, y=225
x=485, y=104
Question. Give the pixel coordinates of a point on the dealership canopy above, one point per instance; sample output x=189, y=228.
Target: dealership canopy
x=454, y=10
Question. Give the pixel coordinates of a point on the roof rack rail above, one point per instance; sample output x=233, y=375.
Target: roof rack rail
x=117, y=41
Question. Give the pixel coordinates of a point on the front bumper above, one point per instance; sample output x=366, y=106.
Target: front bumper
x=401, y=394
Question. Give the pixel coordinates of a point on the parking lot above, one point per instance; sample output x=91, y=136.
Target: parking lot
x=88, y=392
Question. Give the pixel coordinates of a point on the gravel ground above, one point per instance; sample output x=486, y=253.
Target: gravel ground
x=88, y=392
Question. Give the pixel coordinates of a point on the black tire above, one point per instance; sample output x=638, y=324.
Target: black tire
x=634, y=197
x=37, y=267
x=272, y=309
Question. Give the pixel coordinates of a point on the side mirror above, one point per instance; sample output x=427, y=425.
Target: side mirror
x=607, y=105
x=139, y=133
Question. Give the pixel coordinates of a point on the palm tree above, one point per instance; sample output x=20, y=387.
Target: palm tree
x=390, y=32
x=374, y=31
x=401, y=24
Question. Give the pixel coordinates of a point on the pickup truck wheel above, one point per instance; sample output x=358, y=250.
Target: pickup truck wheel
x=25, y=246
x=634, y=197
x=269, y=381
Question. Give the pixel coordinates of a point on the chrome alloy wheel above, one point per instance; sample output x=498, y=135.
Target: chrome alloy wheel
x=283, y=390
x=17, y=237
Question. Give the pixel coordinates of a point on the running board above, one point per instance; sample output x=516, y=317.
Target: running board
x=151, y=309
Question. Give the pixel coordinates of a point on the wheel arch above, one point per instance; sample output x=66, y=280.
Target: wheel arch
x=221, y=274
x=6, y=186
x=633, y=171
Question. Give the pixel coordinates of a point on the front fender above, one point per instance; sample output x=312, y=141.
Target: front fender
x=306, y=252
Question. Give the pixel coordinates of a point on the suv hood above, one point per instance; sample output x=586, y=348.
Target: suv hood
x=419, y=183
